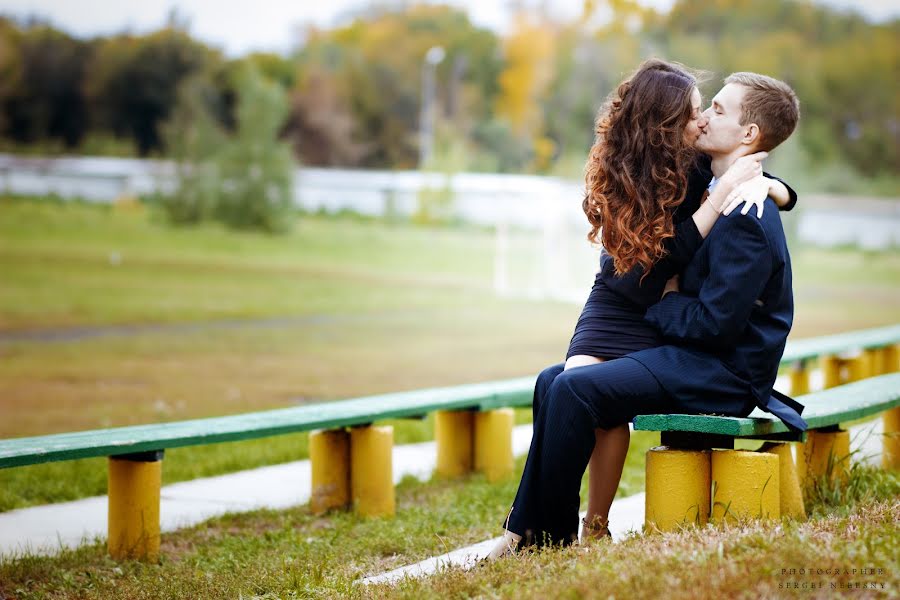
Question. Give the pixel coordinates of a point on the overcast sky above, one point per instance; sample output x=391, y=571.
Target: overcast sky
x=239, y=27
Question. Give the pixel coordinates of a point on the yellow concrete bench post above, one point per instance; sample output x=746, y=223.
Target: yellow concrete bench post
x=789, y=483
x=371, y=470
x=799, y=378
x=885, y=360
x=890, y=453
x=454, y=434
x=863, y=365
x=678, y=488
x=745, y=485
x=134, y=490
x=493, y=443
x=892, y=358
x=878, y=364
x=329, y=457
x=831, y=370
x=825, y=452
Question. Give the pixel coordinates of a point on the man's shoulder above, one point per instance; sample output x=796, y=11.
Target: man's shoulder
x=736, y=223
x=740, y=224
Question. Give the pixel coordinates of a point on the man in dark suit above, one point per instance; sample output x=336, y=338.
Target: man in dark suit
x=725, y=329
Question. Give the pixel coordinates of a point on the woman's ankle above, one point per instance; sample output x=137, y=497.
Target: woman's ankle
x=595, y=527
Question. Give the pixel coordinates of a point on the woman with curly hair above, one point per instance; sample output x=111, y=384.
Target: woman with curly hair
x=644, y=199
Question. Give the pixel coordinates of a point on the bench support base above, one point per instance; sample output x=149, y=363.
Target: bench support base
x=825, y=453
x=831, y=370
x=353, y=467
x=799, y=379
x=789, y=484
x=329, y=457
x=678, y=487
x=746, y=485
x=890, y=454
x=493, y=443
x=371, y=470
x=468, y=440
x=454, y=433
x=890, y=359
x=866, y=364
x=133, y=518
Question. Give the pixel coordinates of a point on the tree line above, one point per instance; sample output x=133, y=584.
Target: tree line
x=522, y=101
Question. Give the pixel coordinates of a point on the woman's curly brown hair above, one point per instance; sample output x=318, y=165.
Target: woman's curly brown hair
x=636, y=173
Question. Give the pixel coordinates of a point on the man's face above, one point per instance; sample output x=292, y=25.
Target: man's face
x=723, y=133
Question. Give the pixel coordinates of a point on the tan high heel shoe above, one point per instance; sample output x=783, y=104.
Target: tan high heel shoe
x=507, y=546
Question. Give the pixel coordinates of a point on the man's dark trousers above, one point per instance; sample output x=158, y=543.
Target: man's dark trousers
x=568, y=406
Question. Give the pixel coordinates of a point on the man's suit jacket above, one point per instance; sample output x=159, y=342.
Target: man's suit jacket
x=727, y=327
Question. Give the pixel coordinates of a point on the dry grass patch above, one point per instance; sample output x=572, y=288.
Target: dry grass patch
x=753, y=560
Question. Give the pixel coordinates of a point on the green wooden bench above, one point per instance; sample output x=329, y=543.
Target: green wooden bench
x=687, y=441
x=329, y=415
x=348, y=466
x=366, y=410
x=843, y=357
x=473, y=430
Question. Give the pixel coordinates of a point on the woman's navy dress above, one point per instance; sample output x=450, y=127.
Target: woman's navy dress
x=612, y=323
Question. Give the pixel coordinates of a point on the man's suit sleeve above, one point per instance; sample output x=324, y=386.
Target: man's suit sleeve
x=792, y=194
x=740, y=266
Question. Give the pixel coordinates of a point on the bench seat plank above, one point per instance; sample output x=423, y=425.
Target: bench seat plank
x=358, y=411
x=809, y=348
x=823, y=409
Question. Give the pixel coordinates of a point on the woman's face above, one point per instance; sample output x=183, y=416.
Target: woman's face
x=697, y=122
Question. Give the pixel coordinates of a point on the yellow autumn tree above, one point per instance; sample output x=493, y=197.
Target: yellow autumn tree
x=523, y=83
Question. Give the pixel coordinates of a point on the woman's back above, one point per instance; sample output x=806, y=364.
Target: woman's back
x=612, y=323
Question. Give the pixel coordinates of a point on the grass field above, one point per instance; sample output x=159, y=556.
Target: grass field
x=293, y=554
x=235, y=322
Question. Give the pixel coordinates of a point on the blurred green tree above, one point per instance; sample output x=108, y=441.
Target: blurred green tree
x=194, y=139
x=243, y=178
x=255, y=167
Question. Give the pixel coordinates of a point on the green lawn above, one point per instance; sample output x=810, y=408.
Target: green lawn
x=337, y=308
x=293, y=554
x=340, y=308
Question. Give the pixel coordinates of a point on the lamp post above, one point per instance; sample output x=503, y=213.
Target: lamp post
x=433, y=58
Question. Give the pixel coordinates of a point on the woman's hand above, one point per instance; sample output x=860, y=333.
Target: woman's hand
x=750, y=193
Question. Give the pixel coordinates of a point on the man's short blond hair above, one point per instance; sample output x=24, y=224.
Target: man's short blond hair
x=769, y=103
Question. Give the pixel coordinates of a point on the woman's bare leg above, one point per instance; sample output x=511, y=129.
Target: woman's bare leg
x=606, y=464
